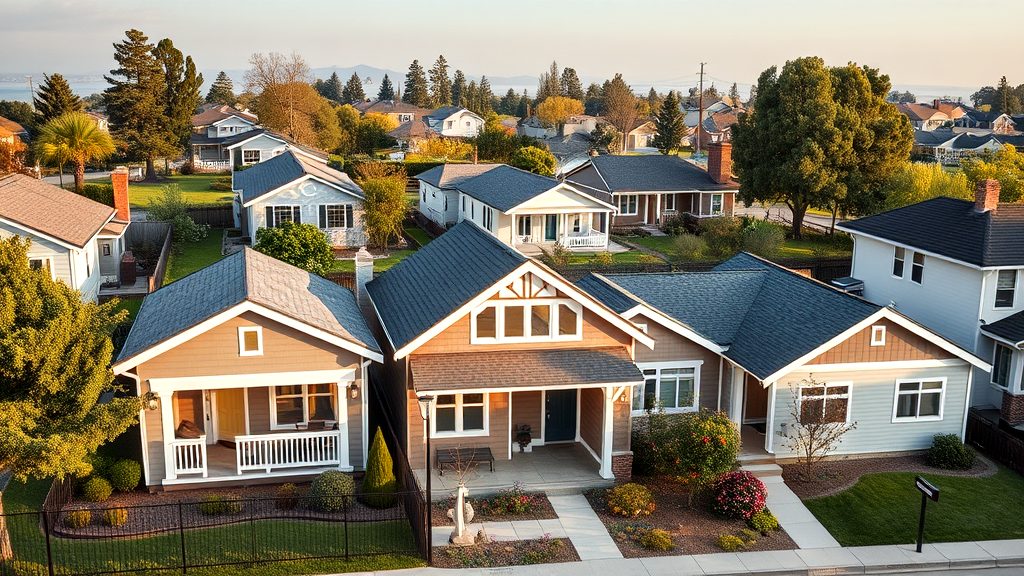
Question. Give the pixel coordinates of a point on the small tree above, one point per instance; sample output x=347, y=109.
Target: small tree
x=171, y=206
x=669, y=124
x=534, y=159
x=302, y=245
x=556, y=110
x=379, y=484
x=445, y=148
x=385, y=205
x=818, y=423
x=12, y=157
x=606, y=138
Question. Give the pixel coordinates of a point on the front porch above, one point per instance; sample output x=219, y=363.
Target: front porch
x=578, y=231
x=275, y=457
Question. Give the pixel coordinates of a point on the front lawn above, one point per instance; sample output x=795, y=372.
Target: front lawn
x=631, y=257
x=810, y=247
x=187, y=257
x=379, y=264
x=883, y=509
x=196, y=189
x=418, y=234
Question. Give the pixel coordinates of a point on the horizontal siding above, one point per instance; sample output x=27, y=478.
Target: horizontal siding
x=592, y=417
x=670, y=347
x=900, y=345
x=498, y=439
x=527, y=409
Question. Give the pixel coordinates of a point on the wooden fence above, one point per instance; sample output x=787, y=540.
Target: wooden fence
x=997, y=443
x=213, y=216
x=156, y=279
x=145, y=233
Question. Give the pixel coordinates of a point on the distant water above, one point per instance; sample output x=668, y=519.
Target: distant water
x=19, y=90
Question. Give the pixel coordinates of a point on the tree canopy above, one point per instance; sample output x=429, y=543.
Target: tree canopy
x=73, y=137
x=669, y=124
x=285, y=101
x=556, y=110
x=440, y=83
x=386, y=92
x=416, y=90
x=621, y=106
x=353, y=91
x=534, y=159
x=571, y=87
x=458, y=88
x=54, y=98
x=181, y=91
x=222, y=91
x=302, y=245
x=385, y=205
x=1005, y=165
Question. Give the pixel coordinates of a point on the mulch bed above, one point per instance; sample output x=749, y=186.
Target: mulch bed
x=694, y=530
x=511, y=553
x=542, y=510
x=835, y=476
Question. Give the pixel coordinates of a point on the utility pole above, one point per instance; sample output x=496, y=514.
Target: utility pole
x=31, y=91
x=700, y=106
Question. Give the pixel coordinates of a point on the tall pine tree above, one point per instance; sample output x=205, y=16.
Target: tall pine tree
x=440, y=83
x=416, y=91
x=486, y=103
x=55, y=98
x=459, y=89
x=353, y=92
x=570, y=84
x=734, y=95
x=669, y=124
x=386, y=93
x=333, y=89
x=182, y=90
x=222, y=91
x=549, y=84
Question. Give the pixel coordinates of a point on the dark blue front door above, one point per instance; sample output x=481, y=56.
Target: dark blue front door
x=560, y=416
x=551, y=227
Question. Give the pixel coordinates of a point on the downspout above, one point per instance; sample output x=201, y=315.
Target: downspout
x=967, y=402
x=365, y=411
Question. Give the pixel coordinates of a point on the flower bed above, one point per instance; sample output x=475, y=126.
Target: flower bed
x=510, y=553
x=506, y=505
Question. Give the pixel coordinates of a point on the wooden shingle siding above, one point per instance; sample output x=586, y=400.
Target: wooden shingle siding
x=670, y=347
x=527, y=409
x=900, y=345
x=592, y=417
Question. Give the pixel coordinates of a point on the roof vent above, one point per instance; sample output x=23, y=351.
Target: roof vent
x=850, y=285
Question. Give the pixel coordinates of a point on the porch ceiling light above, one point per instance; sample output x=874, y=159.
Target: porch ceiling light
x=151, y=401
x=425, y=403
x=353, y=391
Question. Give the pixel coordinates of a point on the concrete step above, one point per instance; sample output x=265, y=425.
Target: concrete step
x=763, y=470
x=745, y=459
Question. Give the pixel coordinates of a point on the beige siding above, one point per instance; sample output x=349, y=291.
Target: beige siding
x=497, y=440
x=900, y=345
x=528, y=409
x=592, y=417
x=154, y=442
x=259, y=410
x=670, y=346
x=622, y=422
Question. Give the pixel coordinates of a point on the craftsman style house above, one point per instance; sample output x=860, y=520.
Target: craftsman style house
x=648, y=189
x=249, y=369
x=215, y=127
x=439, y=194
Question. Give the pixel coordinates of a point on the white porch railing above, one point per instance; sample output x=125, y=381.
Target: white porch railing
x=190, y=455
x=590, y=239
x=211, y=164
x=287, y=450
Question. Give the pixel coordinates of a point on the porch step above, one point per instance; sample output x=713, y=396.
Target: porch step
x=763, y=470
x=745, y=459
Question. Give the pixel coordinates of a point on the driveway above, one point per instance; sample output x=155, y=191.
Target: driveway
x=781, y=212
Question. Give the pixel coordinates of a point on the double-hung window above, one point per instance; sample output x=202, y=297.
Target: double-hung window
x=917, y=268
x=668, y=202
x=1006, y=286
x=828, y=403
x=460, y=415
x=919, y=399
x=277, y=215
x=1001, y=363
x=335, y=216
x=488, y=216
x=527, y=321
x=250, y=157
x=716, y=204
x=302, y=404
x=670, y=387
x=42, y=263
x=899, y=258
x=627, y=205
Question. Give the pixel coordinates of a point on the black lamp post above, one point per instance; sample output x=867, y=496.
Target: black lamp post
x=426, y=402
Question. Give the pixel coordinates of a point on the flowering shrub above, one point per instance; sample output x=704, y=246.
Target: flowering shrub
x=514, y=501
x=630, y=500
x=739, y=495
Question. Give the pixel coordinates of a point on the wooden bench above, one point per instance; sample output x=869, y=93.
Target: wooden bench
x=455, y=456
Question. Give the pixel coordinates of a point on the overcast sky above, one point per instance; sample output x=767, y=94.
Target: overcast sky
x=917, y=42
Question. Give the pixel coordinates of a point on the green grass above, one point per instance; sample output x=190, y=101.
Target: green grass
x=418, y=234
x=131, y=305
x=379, y=264
x=631, y=257
x=196, y=189
x=883, y=509
x=188, y=257
x=274, y=539
x=810, y=247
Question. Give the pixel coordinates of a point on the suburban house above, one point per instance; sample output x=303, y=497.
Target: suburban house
x=439, y=197
x=528, y=211
x=923, y=116
x=214, y=128
x=777, y=345
x=258, y=145
x=291, y=187
x=647, y=189
x=500, y=341
x=397, y=110
x=10, y=128
x=949, y=147
x=717, y=126
x=102, y=120
x=454, y=121
x=575, y=124
x=640, y=138
x=410, y=133
x=249, y=369
x=996, y=122
x=79, y=241
x=956, y=267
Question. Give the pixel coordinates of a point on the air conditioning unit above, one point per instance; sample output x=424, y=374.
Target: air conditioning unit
x=850, y=285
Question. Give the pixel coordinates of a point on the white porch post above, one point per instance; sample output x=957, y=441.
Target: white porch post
x=342, y=415
x=606, y=442
x=167, y=423
x=736, y=397
x=657, y=209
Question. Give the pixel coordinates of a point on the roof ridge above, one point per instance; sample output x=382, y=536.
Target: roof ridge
x=246, y=276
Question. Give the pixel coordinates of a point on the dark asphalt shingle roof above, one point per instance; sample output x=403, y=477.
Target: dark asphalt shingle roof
x=1010, y=328
x=516, y=368
x=505, y=187
x=438, y=279
x=451, y=175
x=258, y=278
x=283, y=169
x=954, y=229
x=654, y=172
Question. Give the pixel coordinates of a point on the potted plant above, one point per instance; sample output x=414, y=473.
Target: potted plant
x=523, y=437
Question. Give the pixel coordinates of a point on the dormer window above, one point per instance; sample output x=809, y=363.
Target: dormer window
x=878, y=335
x=538, y=320
x=250, y=341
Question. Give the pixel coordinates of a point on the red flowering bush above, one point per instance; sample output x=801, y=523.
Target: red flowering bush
x=513, y=501
x=738, y=495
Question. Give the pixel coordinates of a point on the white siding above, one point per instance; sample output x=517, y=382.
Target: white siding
x=78, y=268
x=309, y=195
x=464, y=123
x=989, y=312
x=441, y=206
x=269, y=147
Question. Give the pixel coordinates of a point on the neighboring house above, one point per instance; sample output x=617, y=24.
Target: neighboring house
x=454, y=121
x=993, y=121
x=248, y=369
x=950, y=147
x=12, y=128
x=640, y=138
x=398, y=111
x=6, y=136
x=78, y=240
x=214, y=128
x=255, y=146
x=409, y=134
x=717, y=126
x=500, y=340
x=294, y=188
x=528, y=211
x=956, y=267
x=954, y=110
x=648, y=189
x=102, y=120
x=769, y=334
x=692, y=113
x=576, y=124
x=923, y=116
x=439, y=197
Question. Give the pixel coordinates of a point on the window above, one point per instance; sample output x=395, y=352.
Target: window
x=627, y=205
x=919, y=399
x=423, y=195
x=1001, y=361
x=1006, y=285
x=576, y=223
x=671, y=387
x=917, y=268
x=42, y=264
x=463, y=204
x=488, y=215
x=525, y=227
x=105, y=247
x=527, y=321
x=302, y=404
x=250, y=157
x=460, y=415
x=878, y=335
x=828, y=403
x=449, y=124
x=899, y=256
x=716, y=204
x=250, y=341
x=277, y=215
x=335, y=215
x=446, y=202
x=668, y=202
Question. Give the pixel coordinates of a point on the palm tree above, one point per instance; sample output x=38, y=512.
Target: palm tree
x=73, y=137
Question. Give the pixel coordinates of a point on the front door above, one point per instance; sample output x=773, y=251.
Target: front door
x=551, y=227
x=755, y=401
x=560, y=416
x=230, y=413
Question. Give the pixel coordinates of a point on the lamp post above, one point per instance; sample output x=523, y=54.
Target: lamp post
x=426, y=402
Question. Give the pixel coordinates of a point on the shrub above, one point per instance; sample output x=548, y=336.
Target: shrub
x=302, y=245
x=558, y=255
x=332, y=491
x=681, y=224
x=534, y=159
x=96, y=489
x=77, y=518
x=604, y=259
x=187, y=169
x=125, y=475
x=690, y=247
x=630, y=500
x=949, y=452
x=657, y=539
x=731, y=543
x=379, y=484
x=115, y=517
x=513, y=501
x=763, y=238
x=221, y=184
x=722, y=235
x=739, y=495
x=385, y=206
x=101, y=465
x=102, y=193
x=217, y=505
x=764, y=522
x=172, y=207
x=287, y=496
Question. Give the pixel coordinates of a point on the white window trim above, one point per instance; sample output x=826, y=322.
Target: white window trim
x=305, y=395
x=826, y=396
x=459, y=432
x=291, y=210
x=878, y=335
x=344, y=217
x=48, y=260
x=721, y=204
x=626, y=197
x=913, y=264
x=995, y=295
x=1009, y=370
x=903, y=262
x=257, y=150
x=499, y=321
x=242, y=331
x=659, y=366
x=919, y=381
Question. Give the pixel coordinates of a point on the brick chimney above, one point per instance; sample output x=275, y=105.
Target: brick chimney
x=720, y=162
x=119, y=179
x=986, y=195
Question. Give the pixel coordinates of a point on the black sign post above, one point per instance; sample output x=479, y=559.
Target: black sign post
x=928, y=492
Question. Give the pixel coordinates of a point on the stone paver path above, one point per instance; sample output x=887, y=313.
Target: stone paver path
x=793, y=516
x=584, y=528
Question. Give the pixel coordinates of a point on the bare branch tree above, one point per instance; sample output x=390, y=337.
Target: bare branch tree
x=285, y=99
x=818, y=423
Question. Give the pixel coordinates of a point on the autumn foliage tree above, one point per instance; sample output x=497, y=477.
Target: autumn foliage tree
x=1005, y=165
x=556, y=110
x=385, y=203
x=285, y=101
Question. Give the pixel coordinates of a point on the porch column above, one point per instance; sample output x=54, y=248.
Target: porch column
x=606, y=442
x=342, y=415
x=657, y=209
x=736, y=397
x=167, y=424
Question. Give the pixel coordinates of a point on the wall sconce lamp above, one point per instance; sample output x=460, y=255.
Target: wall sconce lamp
x=353, y=391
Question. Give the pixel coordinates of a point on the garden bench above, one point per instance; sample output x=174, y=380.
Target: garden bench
x=456, y=456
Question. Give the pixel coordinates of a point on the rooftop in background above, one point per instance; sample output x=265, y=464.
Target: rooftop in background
x=451, y=175
x=12, y=126
x=648, y=173
x=390, y=107
x=267, y=176
x=505, y=187
x=51, y=210
x=215, y=113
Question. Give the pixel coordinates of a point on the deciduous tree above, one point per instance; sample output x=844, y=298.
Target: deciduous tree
x=556, y=110
x=817, y=424
x=416, y=91
x=1006, y=165
x=534, y=159
x=222, y=91
x=669, y=124
x=55, y=98
x=285, y=101
x=622, y=107
x=917, y=181
x=385, y=205
x=12, y=157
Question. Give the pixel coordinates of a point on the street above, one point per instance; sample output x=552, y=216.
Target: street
x=781, y=212
x=70, y=177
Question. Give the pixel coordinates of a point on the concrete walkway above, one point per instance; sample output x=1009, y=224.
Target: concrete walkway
x=794, y=517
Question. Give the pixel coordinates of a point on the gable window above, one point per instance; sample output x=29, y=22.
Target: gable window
x=919, y=399
x=335, y=216
x=250, y=157
x=250, y=341
x=827, y=403
x=878, y=335
x=535, y=320
x=1006, y=285
x=1001, y=360
x=300, y=404
x=43, y=263
x=917, y=268
x=716, y=204
x=899, y=257
x=627, y=205
x=277, y=215
x=672, y=387
x=460, y=415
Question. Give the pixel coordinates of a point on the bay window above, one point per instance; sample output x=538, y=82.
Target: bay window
x=919, y=399
x=668, y=386
x=825, y=403
x=299, y=404
x=459, y=415
x=535, y=320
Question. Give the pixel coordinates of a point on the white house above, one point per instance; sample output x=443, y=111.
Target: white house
x=214, y=128
x=439, y=193
x=257, y=146
x=454, y=121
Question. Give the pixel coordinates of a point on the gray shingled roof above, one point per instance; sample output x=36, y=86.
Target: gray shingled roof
x=648, y=173
x=285, y=168
x=1010, y=328
x=258, y=278
x=438, y=279
x=505, y=187
x=952, y=228
x=451, y=175
x=517, y=368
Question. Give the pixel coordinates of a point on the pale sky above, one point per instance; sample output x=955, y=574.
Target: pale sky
x=917, y=42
